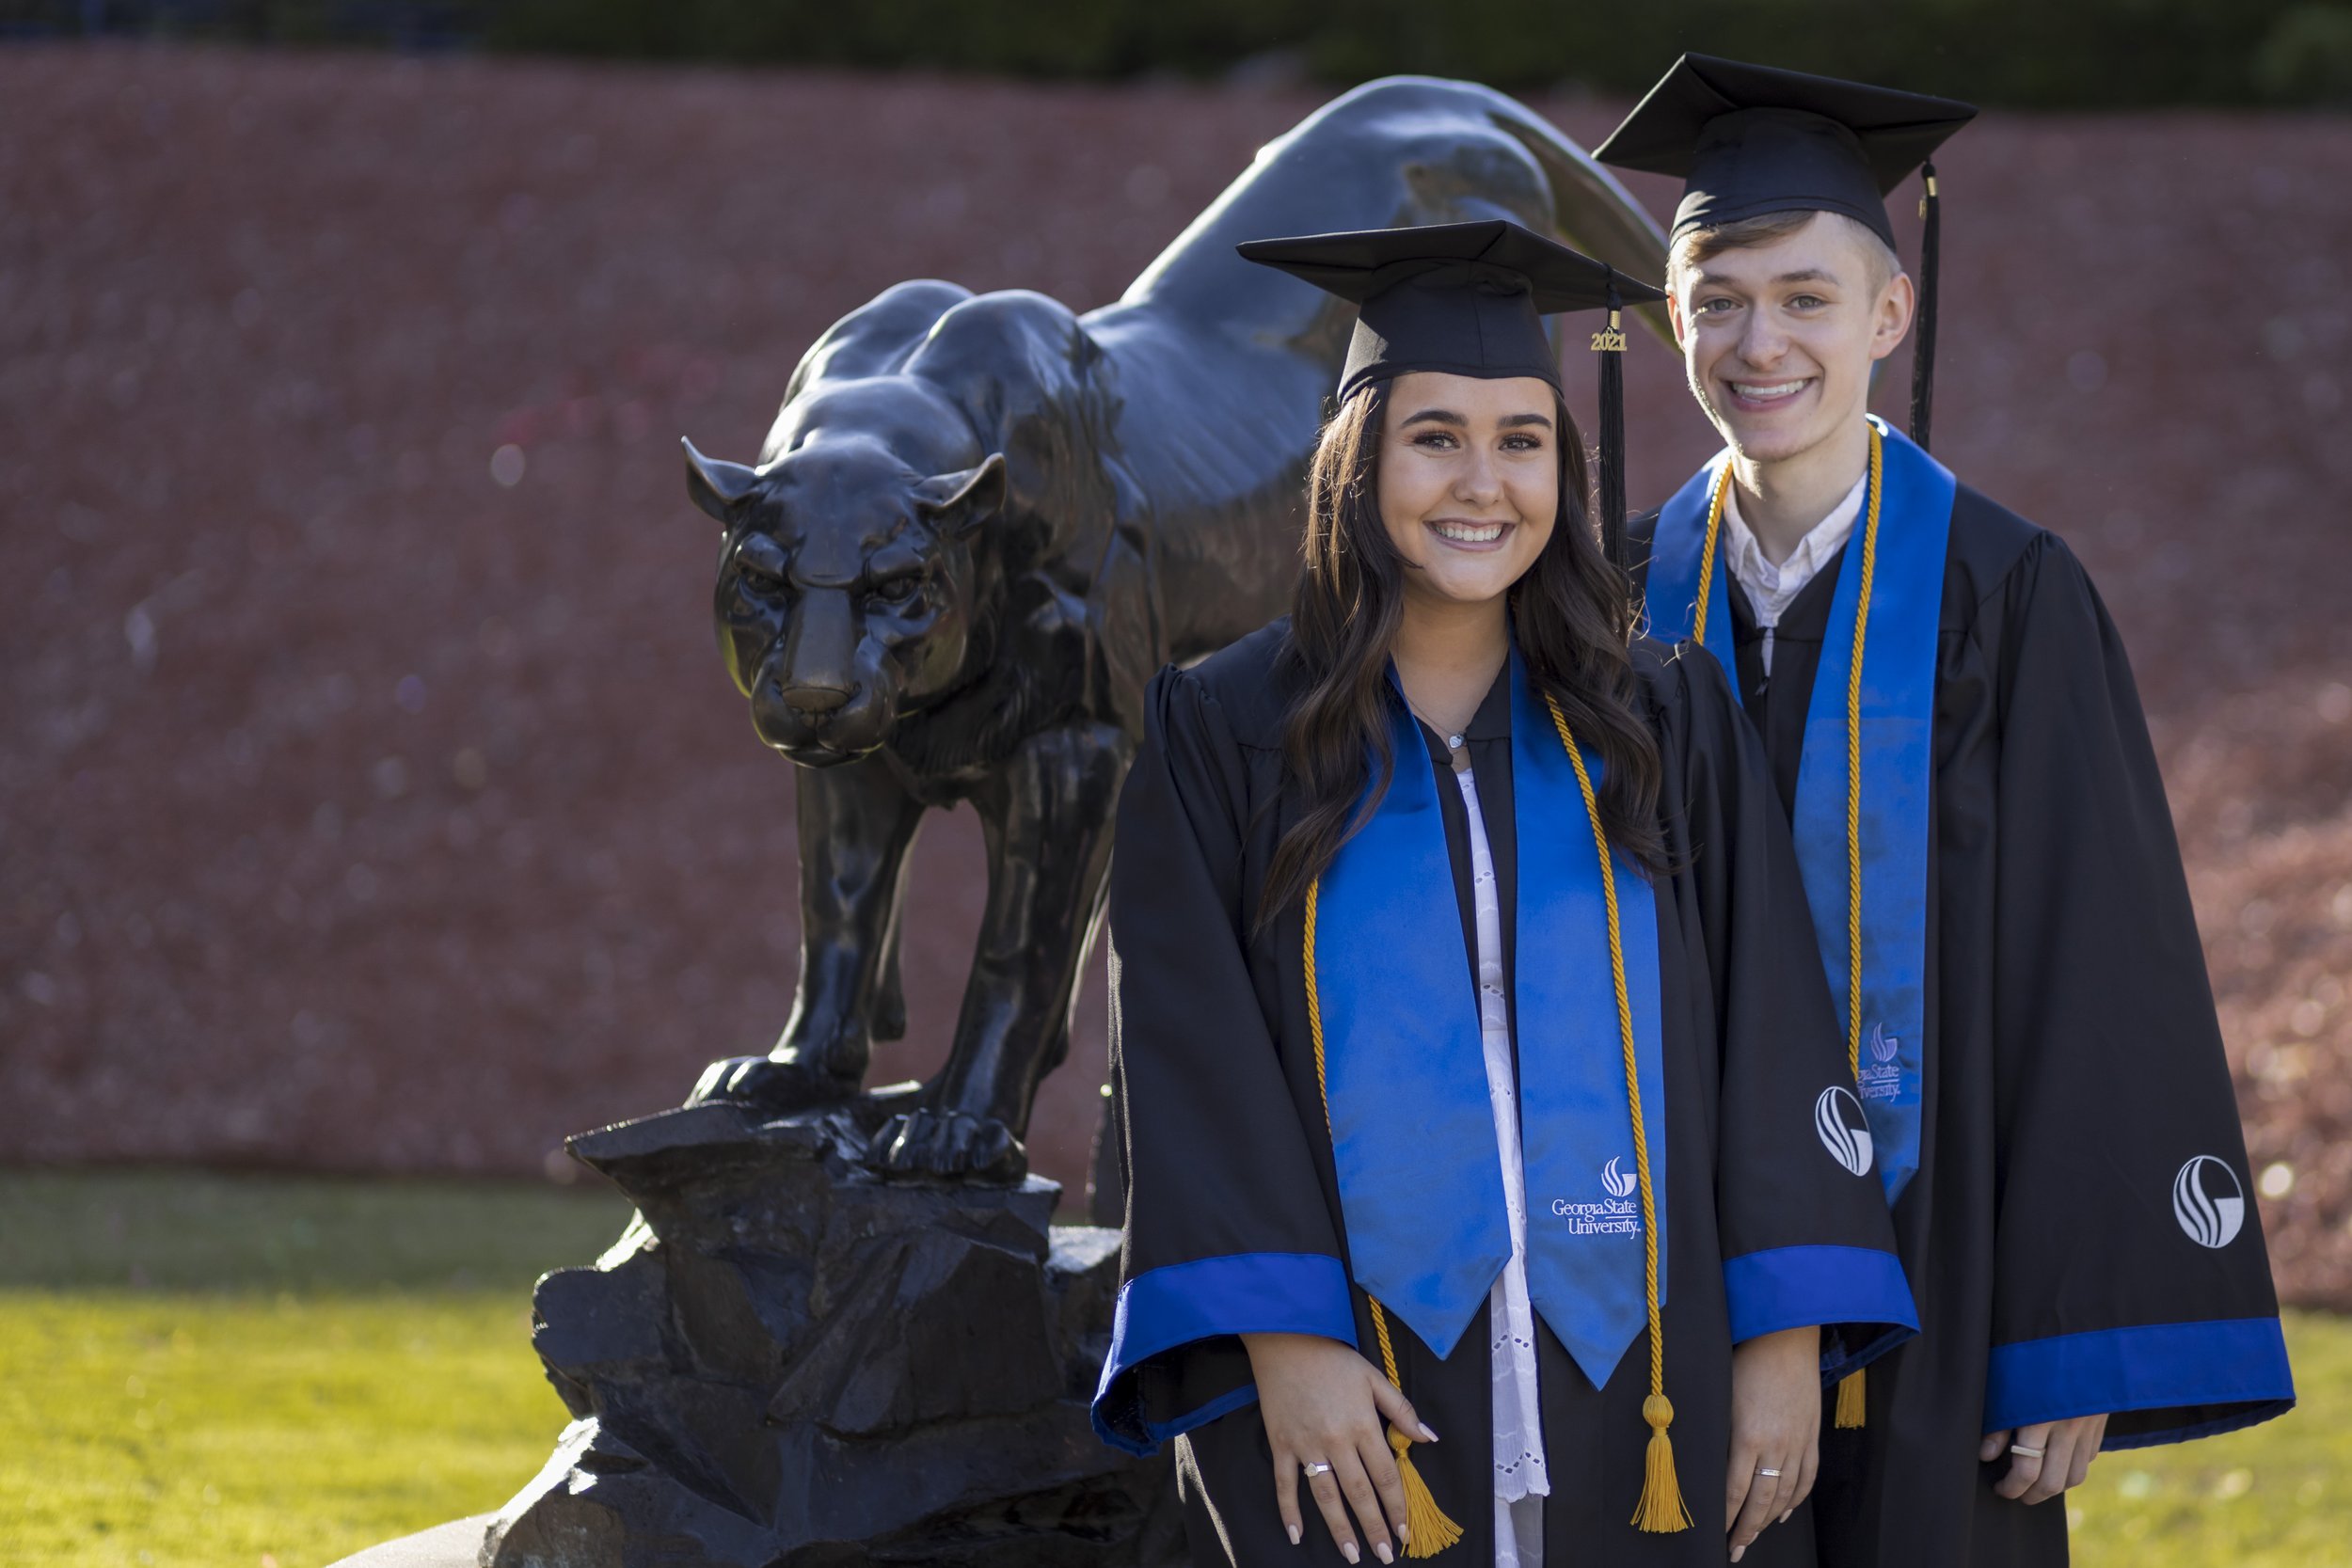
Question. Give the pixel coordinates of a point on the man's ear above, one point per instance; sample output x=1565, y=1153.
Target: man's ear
x=1673, y=313
x=1897, y=303
x=960, y=502
x=718, y=488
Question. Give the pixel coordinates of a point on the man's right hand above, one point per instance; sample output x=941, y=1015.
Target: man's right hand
x=1324, y=1405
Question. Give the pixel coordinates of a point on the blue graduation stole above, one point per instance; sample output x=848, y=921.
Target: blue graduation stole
x=1412, y=1130
x=1893, y=701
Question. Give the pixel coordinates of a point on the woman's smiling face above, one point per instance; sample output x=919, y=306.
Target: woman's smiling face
x=1470, y=481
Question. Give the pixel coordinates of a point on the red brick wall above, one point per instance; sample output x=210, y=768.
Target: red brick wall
x=359, y=812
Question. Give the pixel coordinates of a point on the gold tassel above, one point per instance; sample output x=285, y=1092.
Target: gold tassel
x=1660, y=1511
x=1427, y=1529
x=1851, y=1411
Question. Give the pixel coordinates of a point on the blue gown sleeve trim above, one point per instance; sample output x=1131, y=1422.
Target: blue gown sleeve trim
x=2240, y=1362
x=1795, y=1287
x=1163, y=1309
x=1223, y=1404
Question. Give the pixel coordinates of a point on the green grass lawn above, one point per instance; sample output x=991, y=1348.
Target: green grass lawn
x=2275, y=1495
x=201, y=1371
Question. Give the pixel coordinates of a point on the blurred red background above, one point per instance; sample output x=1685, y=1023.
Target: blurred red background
x=368, y=804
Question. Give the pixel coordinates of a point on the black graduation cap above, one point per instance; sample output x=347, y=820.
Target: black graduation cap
x=1470, y=299
x=1749, y=139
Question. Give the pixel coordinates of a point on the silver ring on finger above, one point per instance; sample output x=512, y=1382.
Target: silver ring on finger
x=2029, y=1453
x=1768, y=1474
x=1317, y=1467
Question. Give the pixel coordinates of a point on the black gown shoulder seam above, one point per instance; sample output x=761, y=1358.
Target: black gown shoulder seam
x=2034, y=542
x=1243, y=681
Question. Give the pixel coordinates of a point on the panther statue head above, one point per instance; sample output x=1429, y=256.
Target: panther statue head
x=850, y=586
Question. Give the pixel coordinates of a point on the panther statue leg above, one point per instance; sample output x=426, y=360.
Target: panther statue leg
x=1049, y=845
x=857, y=822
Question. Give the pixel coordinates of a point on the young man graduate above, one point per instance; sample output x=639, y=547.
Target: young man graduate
x=1984, y=841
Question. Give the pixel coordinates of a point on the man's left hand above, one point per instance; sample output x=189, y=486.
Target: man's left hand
x=2067, y=1449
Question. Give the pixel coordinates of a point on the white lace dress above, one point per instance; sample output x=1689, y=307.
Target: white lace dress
x=1521, y=1482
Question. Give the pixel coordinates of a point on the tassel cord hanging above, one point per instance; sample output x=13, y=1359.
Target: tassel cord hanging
x=1923, y=342
x=1609, y=345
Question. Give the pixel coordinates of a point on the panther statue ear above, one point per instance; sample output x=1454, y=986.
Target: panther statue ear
x=717, y=486
x=960, y=502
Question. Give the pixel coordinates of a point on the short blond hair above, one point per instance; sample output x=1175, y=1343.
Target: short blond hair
x=1695, y=245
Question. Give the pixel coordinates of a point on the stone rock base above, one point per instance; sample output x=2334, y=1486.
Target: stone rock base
x=787, y=1362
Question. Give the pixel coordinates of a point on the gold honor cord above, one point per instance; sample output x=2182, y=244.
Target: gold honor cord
x=1707, y=556
x=1853, y=771
x=1851, y=1409
x=1660, y=1510
x=1427, y=1528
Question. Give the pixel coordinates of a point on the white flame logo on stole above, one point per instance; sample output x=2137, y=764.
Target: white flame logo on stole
x=1619, y=1184
x=2208, y=1202
x=1845, y=1131
x=1881, y=1077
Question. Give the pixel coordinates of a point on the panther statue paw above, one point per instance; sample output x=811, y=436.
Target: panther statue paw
x=952, y=1145
x=772, y=1086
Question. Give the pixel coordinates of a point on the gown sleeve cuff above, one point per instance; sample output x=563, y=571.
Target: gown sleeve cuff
x=2182, y=1380
x=1167, y=1308
x=1799, y=1287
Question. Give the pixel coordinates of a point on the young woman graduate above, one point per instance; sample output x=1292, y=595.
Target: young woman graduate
x=1985, y=843
x=1477, y=1077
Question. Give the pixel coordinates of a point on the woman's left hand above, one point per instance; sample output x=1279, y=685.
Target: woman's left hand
x=1776, y=1425
x=2067, y=1449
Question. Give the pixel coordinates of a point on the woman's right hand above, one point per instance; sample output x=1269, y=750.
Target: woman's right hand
x=1325, y=1405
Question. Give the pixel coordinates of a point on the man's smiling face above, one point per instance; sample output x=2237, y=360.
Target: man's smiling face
x=1778, y=338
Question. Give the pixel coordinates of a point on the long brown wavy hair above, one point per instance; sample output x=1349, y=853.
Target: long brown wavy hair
x=1572, y=614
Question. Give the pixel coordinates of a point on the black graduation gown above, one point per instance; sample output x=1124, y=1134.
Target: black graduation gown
x=2073, y=1065
x=1228, y=1160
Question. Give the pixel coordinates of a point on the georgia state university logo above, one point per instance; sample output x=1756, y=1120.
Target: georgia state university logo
x=1613, y=1215
x=1881, y=1078
x=2208, y=1202
x=1845, y=1131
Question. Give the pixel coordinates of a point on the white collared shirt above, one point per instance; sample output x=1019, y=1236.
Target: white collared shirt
x=1771, y=588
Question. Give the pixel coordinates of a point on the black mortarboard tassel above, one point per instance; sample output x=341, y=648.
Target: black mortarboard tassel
x=1610, y=344
x=1923, y=340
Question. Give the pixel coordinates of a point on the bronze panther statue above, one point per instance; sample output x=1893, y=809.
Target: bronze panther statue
x=981, y=523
